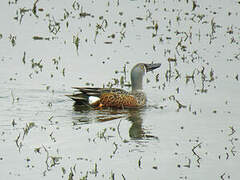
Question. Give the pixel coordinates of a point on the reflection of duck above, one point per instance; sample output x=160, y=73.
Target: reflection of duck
x=136, y=131
x=113, y=97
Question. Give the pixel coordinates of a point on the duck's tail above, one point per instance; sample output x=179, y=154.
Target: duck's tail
x=84, y=99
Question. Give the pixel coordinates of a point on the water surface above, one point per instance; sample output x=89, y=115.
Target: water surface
x=190, y=126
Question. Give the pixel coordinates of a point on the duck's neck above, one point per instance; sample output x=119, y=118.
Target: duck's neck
x=137, y=83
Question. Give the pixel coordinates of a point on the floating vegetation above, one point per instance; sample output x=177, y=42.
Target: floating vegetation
x=100, y=27
x=40, y=38
x=37, y=150
x=24, y=58
x=195, y=152
x=54, y=26
x=20, y=14
x=76, y=42
x=180, y=106
x=34, y=9
x=139, y=18
x=12, y=40
x=63, y=72
x=27, y=128
x=107, y=42
x=190, y=77
x=76, y=6
x=14, y=123
x=18, y=143
x=13, y=98
x=197, y=44
x=37, y=66
x=83, y=14
x=12, y=2
x=56, y=62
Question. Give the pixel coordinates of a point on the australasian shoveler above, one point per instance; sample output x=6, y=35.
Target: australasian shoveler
x=114, y=97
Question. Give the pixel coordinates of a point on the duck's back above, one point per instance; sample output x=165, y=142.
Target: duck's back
x=123, y=100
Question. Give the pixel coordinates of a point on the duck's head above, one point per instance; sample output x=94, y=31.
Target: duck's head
x=137, y=73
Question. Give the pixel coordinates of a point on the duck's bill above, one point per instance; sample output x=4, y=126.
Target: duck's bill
x=151, y=67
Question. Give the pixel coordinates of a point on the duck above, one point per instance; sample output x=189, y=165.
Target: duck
x=116, y=97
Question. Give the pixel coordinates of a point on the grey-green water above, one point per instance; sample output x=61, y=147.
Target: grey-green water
x=188, y=130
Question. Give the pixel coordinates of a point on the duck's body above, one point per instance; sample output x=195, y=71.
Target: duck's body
x=113, y=97
x=108, y=97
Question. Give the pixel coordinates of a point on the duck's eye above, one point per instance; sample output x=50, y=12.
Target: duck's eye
x=142, y=67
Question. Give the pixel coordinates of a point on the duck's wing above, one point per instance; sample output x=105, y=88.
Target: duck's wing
x=91, y=91
x=91, y=95
x=79, y=98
